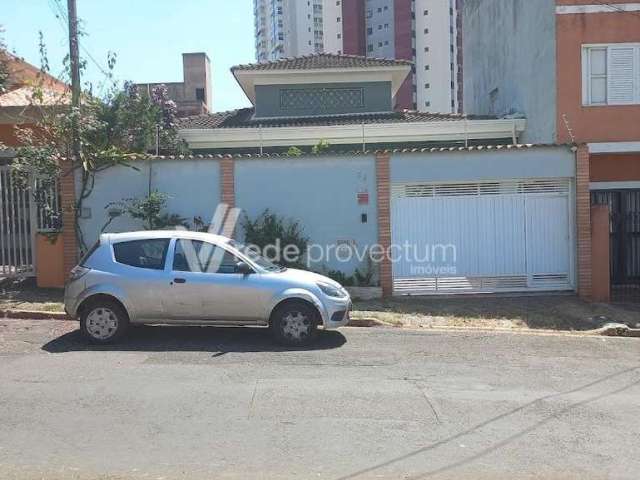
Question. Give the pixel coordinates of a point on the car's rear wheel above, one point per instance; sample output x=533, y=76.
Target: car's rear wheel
x=294, y=323
x=103, y=321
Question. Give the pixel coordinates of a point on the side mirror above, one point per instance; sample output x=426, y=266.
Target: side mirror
x=243, y=268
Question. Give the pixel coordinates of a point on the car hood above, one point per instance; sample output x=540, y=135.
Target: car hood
x=306, y=276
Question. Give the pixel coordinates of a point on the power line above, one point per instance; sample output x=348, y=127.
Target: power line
x=61, y=15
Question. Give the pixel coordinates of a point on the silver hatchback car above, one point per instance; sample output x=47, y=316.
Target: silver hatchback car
x=190, y=278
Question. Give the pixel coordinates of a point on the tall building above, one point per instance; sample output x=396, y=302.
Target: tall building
x=423, y=31
x=292, y=28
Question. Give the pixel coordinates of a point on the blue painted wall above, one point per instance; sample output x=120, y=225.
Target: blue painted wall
x=193, y=187
x=322, y=99
x=486, y=165
x=320, y=192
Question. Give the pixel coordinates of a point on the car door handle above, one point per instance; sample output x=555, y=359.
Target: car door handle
x=179, y=280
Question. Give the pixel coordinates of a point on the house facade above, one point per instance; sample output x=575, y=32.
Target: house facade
x=425, y=32
x=580, y=85
x=482, y=212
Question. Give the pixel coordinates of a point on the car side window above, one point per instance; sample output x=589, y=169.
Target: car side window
x=150, y=254
x=197, y=256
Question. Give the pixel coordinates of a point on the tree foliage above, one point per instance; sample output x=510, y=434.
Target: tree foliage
x=4, y=71
x=114, y=128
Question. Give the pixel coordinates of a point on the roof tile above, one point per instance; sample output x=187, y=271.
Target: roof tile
x=322, y=60
x=243, y=118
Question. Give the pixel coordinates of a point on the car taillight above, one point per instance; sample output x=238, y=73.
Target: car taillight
x=78, y=272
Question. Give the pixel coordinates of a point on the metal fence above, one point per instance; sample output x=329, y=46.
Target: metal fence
x=24, y=210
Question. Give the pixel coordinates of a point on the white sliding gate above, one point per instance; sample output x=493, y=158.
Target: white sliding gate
x=502, y=236
x=20, y=219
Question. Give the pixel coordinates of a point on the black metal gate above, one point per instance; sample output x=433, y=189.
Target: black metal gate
x=624, y=228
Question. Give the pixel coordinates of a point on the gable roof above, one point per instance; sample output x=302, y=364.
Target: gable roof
x=323, y=61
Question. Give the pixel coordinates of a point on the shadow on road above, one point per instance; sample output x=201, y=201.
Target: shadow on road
x=217, y=340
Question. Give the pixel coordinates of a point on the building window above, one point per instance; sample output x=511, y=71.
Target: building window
x=338, y=19
x=200, y=96
x=610, y=74
x=379, y=44
x=426, y=67
x=426, y=49
x=370, y=47
x=369, y=31
x=427, y=104
x=380, y=27
x=427, y=85
x=339, y=35
x=426, y=12
x=426, y=30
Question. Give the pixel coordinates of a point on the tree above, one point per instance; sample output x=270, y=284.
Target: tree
x=113, y=129
x=4, y=72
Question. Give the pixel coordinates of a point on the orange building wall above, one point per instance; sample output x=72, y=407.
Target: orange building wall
x=592, y=124
x=615, y=167
x=7, y=134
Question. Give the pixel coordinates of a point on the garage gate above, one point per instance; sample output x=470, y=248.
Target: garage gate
x=505, y=236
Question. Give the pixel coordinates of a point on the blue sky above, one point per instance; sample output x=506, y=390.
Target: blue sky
x=148, y=37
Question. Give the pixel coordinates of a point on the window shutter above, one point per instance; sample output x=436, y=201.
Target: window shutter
x=620, y=81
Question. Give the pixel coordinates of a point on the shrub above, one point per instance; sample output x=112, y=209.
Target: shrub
x=276, y=233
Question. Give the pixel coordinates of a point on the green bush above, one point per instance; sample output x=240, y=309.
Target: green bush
x=277, y=233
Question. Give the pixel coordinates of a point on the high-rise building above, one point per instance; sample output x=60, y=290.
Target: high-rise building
x=424, y=31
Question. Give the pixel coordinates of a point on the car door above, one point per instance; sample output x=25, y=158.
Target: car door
x=142, y=275
x=206, y=286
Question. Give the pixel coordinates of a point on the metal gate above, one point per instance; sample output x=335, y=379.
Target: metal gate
x=624, y=229
x=21, y=216
x=482, y=237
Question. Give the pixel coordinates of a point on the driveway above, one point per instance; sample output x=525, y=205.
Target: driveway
x=201, y=403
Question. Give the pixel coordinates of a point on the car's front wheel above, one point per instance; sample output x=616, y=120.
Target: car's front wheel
x=294, y=323
x=103, y=321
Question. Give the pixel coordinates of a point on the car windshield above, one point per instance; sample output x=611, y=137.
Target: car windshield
x=255, y=257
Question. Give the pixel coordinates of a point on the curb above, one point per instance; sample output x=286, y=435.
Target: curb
x=608, y=330
x=33, y=315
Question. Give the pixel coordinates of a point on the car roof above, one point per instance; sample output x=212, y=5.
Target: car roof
x=151, y=234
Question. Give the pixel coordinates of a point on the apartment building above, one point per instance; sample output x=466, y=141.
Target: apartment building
x=572, y=68
x=423, y=31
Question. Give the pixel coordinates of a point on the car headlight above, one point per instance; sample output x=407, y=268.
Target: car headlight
x=331, y=291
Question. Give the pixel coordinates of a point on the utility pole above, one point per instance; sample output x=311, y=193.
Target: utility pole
x=74, y=58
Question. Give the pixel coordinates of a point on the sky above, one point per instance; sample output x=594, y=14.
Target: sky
x=148, y=37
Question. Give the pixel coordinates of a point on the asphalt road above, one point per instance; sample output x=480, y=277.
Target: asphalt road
x=198, y=403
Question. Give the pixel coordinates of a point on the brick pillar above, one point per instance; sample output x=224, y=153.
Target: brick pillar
x=583, y=218
x=228, y=191
x=68, y=206
x=384, y=220
x=227, y=181
x=600, y=239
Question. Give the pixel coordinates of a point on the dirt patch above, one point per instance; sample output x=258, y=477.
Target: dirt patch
x=23, y=294
x=548, y=312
